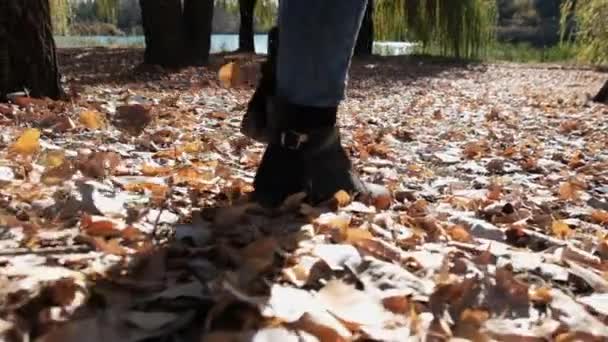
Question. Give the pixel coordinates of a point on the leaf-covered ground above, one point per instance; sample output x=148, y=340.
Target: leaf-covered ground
x=124, y=213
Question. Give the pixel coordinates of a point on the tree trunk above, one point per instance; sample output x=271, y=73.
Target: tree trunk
x=163, y=29
x=27, y=49
x=198, y=18
x=602, y=96
x=365, y=40
x=246, y=38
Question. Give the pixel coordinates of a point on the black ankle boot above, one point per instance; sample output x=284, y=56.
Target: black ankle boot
x=305, y=154
x=254, y=122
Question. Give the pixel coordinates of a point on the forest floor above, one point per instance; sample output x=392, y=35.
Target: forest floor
x=496, y=229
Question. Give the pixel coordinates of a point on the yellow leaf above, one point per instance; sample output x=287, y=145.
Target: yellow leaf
x=541, y=295
x=192, y=147
x=342, y=198
x=354, y=235
x=229, y=74
x=561, y=229
x=53, y=158
x=92, y=119
x=28, y=143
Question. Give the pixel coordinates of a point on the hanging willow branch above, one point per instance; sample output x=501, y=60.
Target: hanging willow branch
x=591, y=35
x=60, y=16
x=107, y=10
x=457, y=28
x=461, y=28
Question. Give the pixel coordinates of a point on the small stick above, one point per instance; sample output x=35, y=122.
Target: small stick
x=46, y=250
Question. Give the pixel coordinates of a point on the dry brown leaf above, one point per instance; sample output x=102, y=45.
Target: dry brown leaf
x=98, y=164
x=355, y=308
x=106, y=229
x=460, y=234
x=540, y=295
x=356, y=235
x=159, y=191
x=397, y=304
x=150, y=170
x=323, y=326
x=380, y=249
x=132, y=234
x=569, y=126
x=28, y=142
x=92, y=119
x=132, y=119
x=58, y=174
x=229, y=74
x=190, y=175
x=63, y=291
x=600, y=216
x=341, y=199
x=561, y=229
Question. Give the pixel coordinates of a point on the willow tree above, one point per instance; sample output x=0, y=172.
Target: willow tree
x=454, y=28
x=591, y=35
x=27, y=49
x=107, y=10
x=60, y=16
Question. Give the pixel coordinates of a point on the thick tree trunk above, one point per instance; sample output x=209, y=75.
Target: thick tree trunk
x=198, y=18
x=27, y=49
x=365, y=40
x=602, y=96
x=163, y=29
x=246, y=35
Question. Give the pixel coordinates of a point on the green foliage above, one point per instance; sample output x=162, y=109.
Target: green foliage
x=591, y=35
x=526, y=53
x=60, y=16
x=265, y=12
x=454, y=28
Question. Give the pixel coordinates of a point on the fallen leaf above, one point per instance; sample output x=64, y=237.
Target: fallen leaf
x=92, y=119
x=353, y=307
x=341, y=199
x=132, y=119
x=229, y=74
x=561, y=229
x=28, y=142
x=600, y=216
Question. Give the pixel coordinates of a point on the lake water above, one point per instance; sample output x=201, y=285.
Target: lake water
x=219, y=43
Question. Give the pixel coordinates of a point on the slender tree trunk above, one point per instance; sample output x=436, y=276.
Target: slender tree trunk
x=365, y=40
x=602, y=96
x=27, y=49
x=246, y=38
x=198, y=18
x=163, y=29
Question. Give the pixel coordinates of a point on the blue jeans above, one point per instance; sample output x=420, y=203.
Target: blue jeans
x=317, y=39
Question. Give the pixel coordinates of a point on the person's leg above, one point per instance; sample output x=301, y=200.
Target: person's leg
x=254, y=121
x=317, y=41
x=317, y=38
